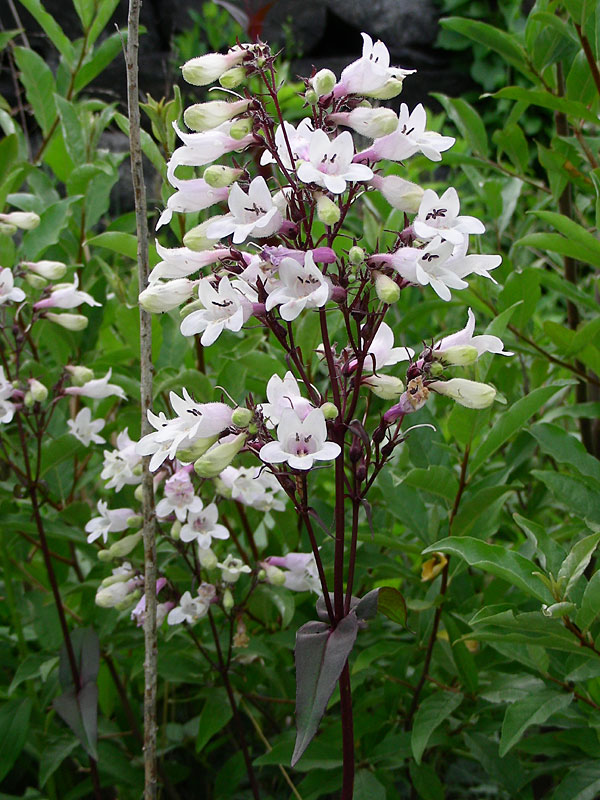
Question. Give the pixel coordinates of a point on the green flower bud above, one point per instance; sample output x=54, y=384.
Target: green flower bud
x=274, y=575
x=176, y=530
x=387, y=290
x=80, y=375
x=387, y=387
x=186, y=456
x=240, y=128
x=139, y=493
x=207, y=558
x=7, y=230
x=25, y=220
x=104, y=555
x=135, y=520
x=38, y=391
x=356, y=255
x=125, y=545
x=51, y=270
x=232, y=77
x=28, y=400
x=196, y=238
x=36, y=281
x=391, y=88
x=241, y=417
x=459, y=356
x=329, y=410
x=205, y=69
x=206, y=116
x=228, y=601
x=436, y=369
x=311, y=97
x=470, y=394
x=72, y=322
x=220, y=456
x=130, y=600
x=218, y=175
x=323, y=82
x=327, y=211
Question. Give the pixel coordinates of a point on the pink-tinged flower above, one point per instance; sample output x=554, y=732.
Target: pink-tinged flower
x=190, y=609
x=202, y=70
x=225, y=308
x=300, y=442
x=464, y=338
x=179, y=262
x=66, y=295
x=252, y=486
x=7, y=408
x=232, y=568
x=203, y=148
x=400, y=194
x=438, y=216
x=298, y=140
x=202, y=527
x=302, y=286
x=191, y=195
x=370, y=72
x=413, y=399
x=283, y=393
x=321, y=255
x=8, y=291
x=370, y=122
x=109, y=521
x=470, y=394
x=161, y=296
x=381, y=352
x=85, y=429
x=98, y=389
x=179, y=497
x=410, y=137
x=301, y=573
x=330, y=163
x=162, y=609
x=119, y=468
x=252, y=213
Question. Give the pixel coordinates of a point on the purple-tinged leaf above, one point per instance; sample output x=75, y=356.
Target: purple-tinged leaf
x=367, y=606
x=80, y=714
x=86, y=649
x=238, y=15
x=321, y=654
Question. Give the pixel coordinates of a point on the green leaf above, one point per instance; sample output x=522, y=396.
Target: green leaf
x=533, y=710
x=492, y=38
x=581, y=783
x=435, y=479
x=39, y=85
x=512, y=421
x=566, y=449
x=105, y=11
x=573, y=492
x=6, y=37
x=14, y=727
x=52, y=222
x=558, y=244
x=53, y=754
x=85, y=12
x=550, y=553
x=575, y=563
x=367, y=787
x=430, y=715
x=468, y=122
x=123, y=243
x=511, y=140
x=425, y=781
x=572, y=230
x=572, y=108
x=391, y=603
x=485, y=501
x=215, y=715
x=497, y=560
x=71, y=129
x=103, y=55
x=590, y=603
x=465, y=663
x=51, y=28
x=149, y=146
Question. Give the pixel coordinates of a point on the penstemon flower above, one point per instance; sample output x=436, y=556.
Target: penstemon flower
x=8, y=291
x=300, y=442
x=301, y=286
x=85, y=429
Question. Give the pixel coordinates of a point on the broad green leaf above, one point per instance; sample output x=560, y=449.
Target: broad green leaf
x=566, y=449
x=85, y=11
x=391, y=603
x=572, y=108
x=559, y=284
x=27, y=669
x=468, y=122
x=486, y=501
x=435, y=479
x=576, y=494
x=367, y=787
x=14, y=727
x=215, y=715
x=424, y=779
x=103, y=55
x=123, y=243
x=320, y=658
x=497, y=560
x=575, y=563
x=465, y=663
x=56, y=451
x=510, y=422
x=550, y=553
x=430, y=715
x=6, y=37
x=492, y=38
x=511, y=140
x=533, y=710
x=590, y=603
x=572, y=230
x=52, y=223
x=72, y=129
x=51, y=28
x=104, y=12
x=558, y=244
x=581, y=783
x=507, y=771
x=53, y=754
x=39, y=86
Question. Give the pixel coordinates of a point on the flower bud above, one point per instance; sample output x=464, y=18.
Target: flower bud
x=273, y=574
x=470, y=394
x=36, y=281
x=6, y=229
x=51, y=270
x=218, y=175
x=370, y=122
x=356, y=255
x=139, y=493
x=400, y=194
x=228, y=601
x=205, y=69
x=240, y=128
x=129, y=600
x=125, y=545
x=323, y=82
x=112, y=595
x=391, y=88
x=207, y=558
x=134, y=520
x=196, y=238
x=25, y=220
x=329, y=410
x=205, y=116
x=436, y=369
x=387, y=289
x=232, y=77
x=164, y=296
x=327, y=210
x=28, y=400
x=388, y=387
x=311, y=97
x=218, y=457
x=176, y=530
x=241, y=417
x=38, y=391
x=80, y=375
x=461, y=355
x=104, y=555
x=72, y=322
x=189, y=454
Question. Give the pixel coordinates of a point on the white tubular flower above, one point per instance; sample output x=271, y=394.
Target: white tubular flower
x=438, y=216
x=204, y=148
x=202, y=70
x=283, y=393
x=226, y=307
x=119, y=468
x=179, y=497
x=67, y=295
x=371, y=72
x=85, y=429
x=300, y=442
x=464, y=338
x=8, y=291
x=51, y=270
x=7, y=409
x=114, y=594
x=369, y=122
x=202, y=527
x=301, y=287
x=25, y=220
x=388, y=387
x=98, y=389
x=179, y=262
x=381, y=352
x=301, y=574
x=330, y=163
x=190, y=609
x=251, y=213
x=410, y=137
x=161, y=296
x=71, y=322
x=191, y=195
x=299, y=142
x=232, y=568
x=109, y=521
x=400, y=194
x=470, y=394
x=252, y=486
x=206, y=116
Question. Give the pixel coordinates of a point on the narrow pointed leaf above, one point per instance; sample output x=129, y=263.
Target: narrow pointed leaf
x=533, y=710
x=432, y=712
x=575, y=563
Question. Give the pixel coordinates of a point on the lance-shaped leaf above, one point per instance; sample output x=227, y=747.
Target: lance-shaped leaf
x=321, y=654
